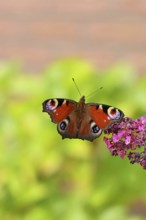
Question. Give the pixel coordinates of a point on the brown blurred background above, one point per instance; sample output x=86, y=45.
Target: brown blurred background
x=104, y=32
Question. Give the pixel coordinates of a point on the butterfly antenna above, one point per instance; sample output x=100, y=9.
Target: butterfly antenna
x=94, y=92
x=76, y=86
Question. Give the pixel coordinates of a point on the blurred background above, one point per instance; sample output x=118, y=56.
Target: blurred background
x=103, y=32
x=42, y=46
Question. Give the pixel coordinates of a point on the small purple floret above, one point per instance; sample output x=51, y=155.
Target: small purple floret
x=128, y=140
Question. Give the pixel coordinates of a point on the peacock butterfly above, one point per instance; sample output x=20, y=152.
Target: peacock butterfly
x=81, y=120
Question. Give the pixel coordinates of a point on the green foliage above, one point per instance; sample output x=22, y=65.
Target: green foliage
x=44, y=177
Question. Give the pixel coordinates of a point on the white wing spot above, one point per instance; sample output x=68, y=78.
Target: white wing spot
x=100, y=106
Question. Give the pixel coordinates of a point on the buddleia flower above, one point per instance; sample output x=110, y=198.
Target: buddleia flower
x=128, y=139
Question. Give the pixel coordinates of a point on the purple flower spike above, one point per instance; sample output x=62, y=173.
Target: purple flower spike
x=128, y=140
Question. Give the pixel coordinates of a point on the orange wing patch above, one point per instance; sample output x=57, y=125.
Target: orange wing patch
x=99, y=116
x=62, y=112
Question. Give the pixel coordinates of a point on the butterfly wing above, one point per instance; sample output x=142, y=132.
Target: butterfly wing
x=58, y=109
x=97, y=118
x=62, y=112
x=104, y=115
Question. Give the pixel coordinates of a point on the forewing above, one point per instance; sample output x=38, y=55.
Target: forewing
x=104, y=115
x=58, y=109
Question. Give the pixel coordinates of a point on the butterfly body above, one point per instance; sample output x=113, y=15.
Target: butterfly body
x=81, y=120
